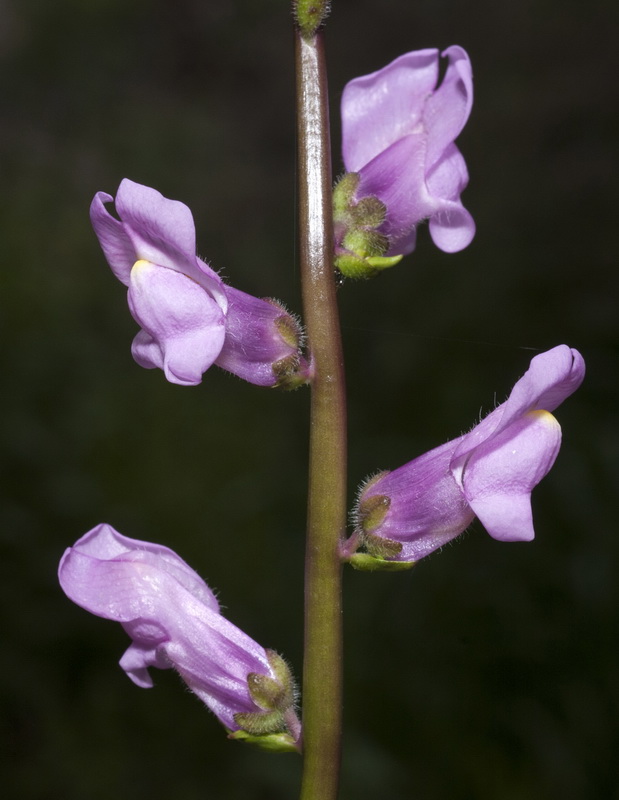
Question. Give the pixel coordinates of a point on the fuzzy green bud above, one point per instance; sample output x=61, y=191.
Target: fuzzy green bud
x=309, y=15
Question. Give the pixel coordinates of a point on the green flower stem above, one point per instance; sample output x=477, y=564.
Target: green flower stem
x=322, y=669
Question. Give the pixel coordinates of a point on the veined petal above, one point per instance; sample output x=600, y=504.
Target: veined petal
x=106, y=543
x=380, y=108
x=449, y=107
x=215, y=663
x=397, y=177
x=115, y=243
x=181, y=317
x=500, y=474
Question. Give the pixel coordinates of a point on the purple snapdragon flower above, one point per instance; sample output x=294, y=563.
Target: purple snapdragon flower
x=189, y=318
x=174, y=621
x=488, y=473
x=398, y=132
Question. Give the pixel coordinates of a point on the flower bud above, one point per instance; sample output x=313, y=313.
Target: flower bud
x=309, y=15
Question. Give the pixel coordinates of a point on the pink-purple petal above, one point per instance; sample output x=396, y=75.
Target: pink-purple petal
x=551, y=378
x=448, y=108
x=162, y=230
x=380, y=108
x=452, y=228
x=146, y=351
x=181, y=317
x=427, y=508
x=507, y=519
x=106, y=543
x=501, y=473
x=115, y=243
x=396, y=176
x=138, y=659
x=449, y=176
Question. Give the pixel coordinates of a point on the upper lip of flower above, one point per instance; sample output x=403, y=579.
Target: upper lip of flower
x=155, y=229
x=403, y=98
x=551, y=378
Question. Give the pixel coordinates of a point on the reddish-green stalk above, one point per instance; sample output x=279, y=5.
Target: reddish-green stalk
x=322, y=669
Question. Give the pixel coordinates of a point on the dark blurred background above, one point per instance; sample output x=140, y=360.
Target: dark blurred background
x=491, y=670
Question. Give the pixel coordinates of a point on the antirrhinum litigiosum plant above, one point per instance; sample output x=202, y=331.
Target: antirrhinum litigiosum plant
x=401, y=168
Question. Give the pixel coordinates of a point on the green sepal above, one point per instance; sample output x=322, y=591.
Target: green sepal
x=290, y=379
x=371, y=511
x=369, y=212
x=365, y=243
x=287, y=326
x=289, y=373
x=266, y=692
x=283, y=673
x=383, y=262
x=360, y=245
x=259, y=723
x=381, y=547
x=367, y=563
x=274, y=742
x=343, y=195
x=352, y=266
